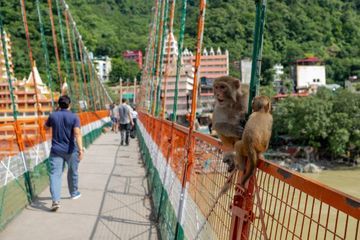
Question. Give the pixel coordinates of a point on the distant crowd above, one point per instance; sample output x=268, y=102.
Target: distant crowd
x=124, y=118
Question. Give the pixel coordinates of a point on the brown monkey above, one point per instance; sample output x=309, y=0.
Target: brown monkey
x=231, y=104
x=256, y=137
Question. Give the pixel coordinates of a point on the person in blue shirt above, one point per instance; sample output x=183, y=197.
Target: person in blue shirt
x=66, y=146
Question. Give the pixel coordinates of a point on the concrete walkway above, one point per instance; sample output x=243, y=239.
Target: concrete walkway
x=113, y=205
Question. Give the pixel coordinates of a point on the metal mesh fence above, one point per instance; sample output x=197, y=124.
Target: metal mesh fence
x=298, y=208
x=24, y=174
x=277, y=203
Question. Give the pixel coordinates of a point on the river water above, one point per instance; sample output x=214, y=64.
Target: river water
x=347, y=181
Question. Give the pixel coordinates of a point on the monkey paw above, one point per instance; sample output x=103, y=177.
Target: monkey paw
x=239, y=131
x=240, y=189
x=239, y=167
x=229, y=159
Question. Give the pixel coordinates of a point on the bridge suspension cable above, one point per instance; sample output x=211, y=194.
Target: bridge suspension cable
x=148, y=76
x=46, y=53
x=83, y=72
x=156, y=56
x=32, y=65
x=159, y=72
x=166, y=72
x=65, y=54
x=104, y=97
x=178, y=62
x=55, y=42
x=73, y=64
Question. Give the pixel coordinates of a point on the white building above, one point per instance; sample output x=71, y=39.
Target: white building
x=103, y=66
x=246, y=70
x=310, y=74
x=278, y=73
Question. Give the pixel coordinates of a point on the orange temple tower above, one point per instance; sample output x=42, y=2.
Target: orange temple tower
x=24, y=91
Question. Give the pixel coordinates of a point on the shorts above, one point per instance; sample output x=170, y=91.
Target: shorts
x=114, y=119
x=125, y=127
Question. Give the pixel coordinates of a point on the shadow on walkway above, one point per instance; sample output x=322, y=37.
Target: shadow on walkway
x=125, y=209
x=114, y=202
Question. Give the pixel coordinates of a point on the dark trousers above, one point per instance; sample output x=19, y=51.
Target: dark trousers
x=125, y=133
x=134, y=121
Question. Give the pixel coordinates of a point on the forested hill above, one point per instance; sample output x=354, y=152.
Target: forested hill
x=329, y=29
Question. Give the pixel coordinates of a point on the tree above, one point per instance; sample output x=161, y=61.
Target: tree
x=328, y=121
x=123, y=69
x=267, y=91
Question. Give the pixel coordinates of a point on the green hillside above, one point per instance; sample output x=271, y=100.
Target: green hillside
x=328, y=29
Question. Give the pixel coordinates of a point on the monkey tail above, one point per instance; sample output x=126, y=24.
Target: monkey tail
x=227, y=184
x=252, y=158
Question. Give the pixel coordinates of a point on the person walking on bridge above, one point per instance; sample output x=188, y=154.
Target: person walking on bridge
x=114, y=117
x=134, y=116
x=125, y=121
x=65, y=127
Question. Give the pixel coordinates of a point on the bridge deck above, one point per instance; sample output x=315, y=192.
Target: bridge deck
x=113, y=205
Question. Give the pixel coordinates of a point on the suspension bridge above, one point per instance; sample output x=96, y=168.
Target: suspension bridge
x=166, y=184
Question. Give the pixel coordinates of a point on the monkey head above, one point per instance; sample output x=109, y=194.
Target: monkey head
x=261, y=104
x=226, y=90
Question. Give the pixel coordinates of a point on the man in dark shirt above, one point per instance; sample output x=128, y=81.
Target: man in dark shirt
x=65, y=131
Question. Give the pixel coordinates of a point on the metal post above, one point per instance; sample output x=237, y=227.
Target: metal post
x=257, y=50
x=128, y=88
x=162, y=115
x=190, y=142
x=243, y=201
x=134, y=99
x=120, y=90
x=20, y=143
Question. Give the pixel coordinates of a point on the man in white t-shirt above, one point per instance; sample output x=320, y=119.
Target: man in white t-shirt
x=134, y=116
x=125, y=121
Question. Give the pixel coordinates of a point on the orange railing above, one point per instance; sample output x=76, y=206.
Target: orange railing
x=89, y=117
x=278, y=203
x=24, y=131
x=24, y=148
x=29, y=132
